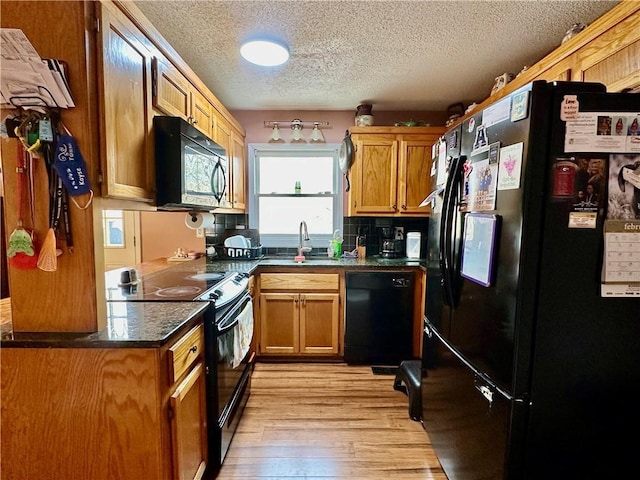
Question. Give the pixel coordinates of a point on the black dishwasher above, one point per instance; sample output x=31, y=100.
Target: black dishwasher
x=379, y=317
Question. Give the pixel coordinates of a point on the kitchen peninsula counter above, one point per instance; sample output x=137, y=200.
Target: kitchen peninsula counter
x=129, y=325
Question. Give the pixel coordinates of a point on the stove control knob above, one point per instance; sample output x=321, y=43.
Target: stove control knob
x=215, y=294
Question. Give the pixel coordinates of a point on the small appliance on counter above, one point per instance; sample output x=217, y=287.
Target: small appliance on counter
x=390, y=247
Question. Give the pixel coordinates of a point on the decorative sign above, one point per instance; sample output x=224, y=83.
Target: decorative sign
x=510, y=167
x=519, y=106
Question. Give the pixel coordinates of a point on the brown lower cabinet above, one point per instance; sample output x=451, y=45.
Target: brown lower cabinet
x=104, y=413
x=299, y=314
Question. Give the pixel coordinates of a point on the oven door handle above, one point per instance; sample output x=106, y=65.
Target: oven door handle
x=231, y=319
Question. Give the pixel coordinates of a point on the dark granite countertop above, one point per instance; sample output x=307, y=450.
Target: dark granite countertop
x=153, y=324
x=346, y=263
x=129, y=325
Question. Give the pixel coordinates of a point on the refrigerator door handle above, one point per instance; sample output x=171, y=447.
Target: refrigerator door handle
x=447, y=254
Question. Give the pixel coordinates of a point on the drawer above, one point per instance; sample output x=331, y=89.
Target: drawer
x=299, y=281
x=185, y=352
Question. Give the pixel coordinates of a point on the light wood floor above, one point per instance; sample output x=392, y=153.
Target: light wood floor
x=328, y=421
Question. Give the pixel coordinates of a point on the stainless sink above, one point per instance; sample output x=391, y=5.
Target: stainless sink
x=289, y=259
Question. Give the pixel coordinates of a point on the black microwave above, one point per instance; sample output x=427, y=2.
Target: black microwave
x=191, y=169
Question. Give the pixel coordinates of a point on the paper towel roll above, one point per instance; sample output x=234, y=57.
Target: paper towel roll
x=200, y=220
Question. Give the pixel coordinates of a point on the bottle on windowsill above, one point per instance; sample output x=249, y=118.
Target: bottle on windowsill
x=298, y=188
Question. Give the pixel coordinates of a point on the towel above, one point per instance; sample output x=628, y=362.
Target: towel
x=243, y=334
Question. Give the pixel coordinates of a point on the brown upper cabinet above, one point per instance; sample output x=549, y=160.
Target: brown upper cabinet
x=607, y=52
x=233, y=143
x=142, y=80
x=174, y=95
x=390, y=173
x=124, y=64
x=109, y=49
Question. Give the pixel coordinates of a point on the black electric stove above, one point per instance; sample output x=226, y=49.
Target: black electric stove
x=173, y=285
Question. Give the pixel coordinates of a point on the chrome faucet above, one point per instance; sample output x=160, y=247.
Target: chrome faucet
x=301, y=238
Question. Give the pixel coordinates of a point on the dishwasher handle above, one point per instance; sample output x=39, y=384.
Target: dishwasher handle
x=401, y=282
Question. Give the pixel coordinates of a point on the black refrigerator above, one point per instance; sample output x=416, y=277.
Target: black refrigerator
x=531, y=351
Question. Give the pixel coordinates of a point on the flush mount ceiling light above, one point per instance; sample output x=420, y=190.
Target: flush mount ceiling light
x=266, y=53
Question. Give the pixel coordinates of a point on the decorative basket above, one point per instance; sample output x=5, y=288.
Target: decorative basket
x=237, y=253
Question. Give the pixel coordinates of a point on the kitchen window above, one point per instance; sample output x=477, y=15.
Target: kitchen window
x=292, y=183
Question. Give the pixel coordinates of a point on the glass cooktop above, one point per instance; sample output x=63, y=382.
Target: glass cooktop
x=163, y=286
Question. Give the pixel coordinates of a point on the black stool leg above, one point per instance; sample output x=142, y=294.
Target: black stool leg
x=408, y=380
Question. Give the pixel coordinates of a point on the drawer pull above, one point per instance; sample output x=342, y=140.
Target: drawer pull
x=194, y=349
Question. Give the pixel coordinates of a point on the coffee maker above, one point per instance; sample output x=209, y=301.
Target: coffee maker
x=390, y=247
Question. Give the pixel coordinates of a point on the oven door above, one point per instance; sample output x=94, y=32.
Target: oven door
x=233, y=344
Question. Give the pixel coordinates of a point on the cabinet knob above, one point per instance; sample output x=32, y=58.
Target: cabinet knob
x=404, y=207
x=194, y=349
x=195, y=122
x=394, y=206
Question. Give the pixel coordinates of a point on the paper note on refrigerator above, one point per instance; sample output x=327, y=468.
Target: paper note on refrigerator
x=621, y=261
x=604, y=132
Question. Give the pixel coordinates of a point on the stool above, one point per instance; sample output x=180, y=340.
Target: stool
x=410, y=374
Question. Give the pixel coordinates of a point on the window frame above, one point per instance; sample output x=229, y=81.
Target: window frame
x=255, y=151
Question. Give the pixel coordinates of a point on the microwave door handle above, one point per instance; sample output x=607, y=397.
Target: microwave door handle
x=218, y=181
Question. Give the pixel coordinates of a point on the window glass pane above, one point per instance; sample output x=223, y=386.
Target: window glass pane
x=114, y=235
x=280, y=174
x=284, y=214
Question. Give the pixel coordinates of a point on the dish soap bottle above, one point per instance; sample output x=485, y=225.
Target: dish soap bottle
x=336, y=244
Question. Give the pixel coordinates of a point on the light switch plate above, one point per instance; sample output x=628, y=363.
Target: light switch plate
x=199, y=232
x=399, y=233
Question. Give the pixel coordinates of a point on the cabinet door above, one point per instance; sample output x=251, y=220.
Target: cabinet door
x=414, y=174
x=201, y=111
x=279, y=325
x=319, y=320
x=375, y=175
x=237, y=167
x=189, y=426
x=127, y=140
x=171, y=90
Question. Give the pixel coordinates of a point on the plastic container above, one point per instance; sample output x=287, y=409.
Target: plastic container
x=330, y=249
x=414, y=239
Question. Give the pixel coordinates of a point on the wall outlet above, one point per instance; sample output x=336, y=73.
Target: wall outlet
x=199, y=232
x=399, y=233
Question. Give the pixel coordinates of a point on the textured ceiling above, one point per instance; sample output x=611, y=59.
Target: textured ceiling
x=397, y=55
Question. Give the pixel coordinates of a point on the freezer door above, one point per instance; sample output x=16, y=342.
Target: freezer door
x=469, y=421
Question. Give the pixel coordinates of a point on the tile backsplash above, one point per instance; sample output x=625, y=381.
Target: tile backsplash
x=352, y=226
